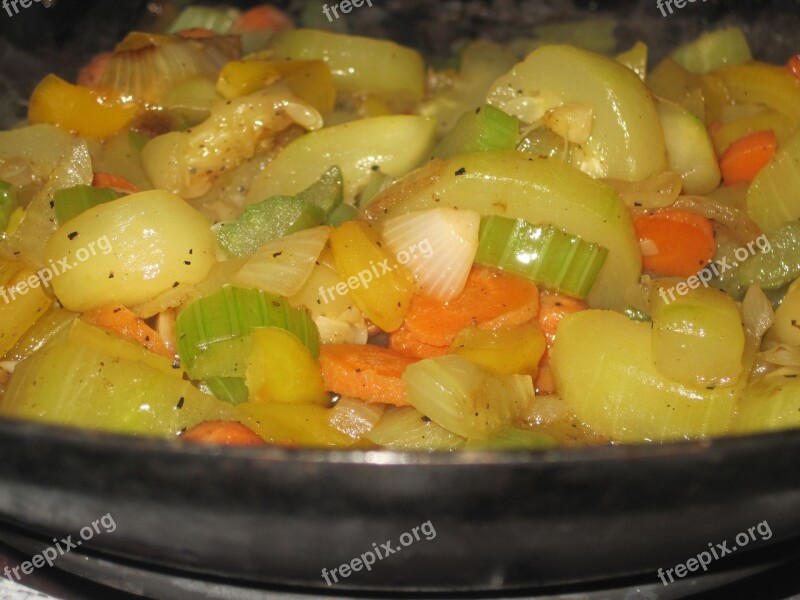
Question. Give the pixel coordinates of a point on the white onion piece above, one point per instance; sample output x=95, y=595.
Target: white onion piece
x=659, y=191
x=340, y=331
x=572, y=121
x=355, y=418
x=757, y=312
x=282, y=266
x=438, y=246
x=146, y=73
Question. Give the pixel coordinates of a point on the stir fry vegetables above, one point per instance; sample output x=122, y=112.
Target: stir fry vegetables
x=240, y=231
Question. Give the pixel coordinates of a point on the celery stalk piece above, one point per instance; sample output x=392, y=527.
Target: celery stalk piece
x=713, y=50
x=394, y=144
x=698, y=339
x=359, y=65
x=483, y=130
x=690, y=150
x=626, y=142
x=603, y=367
x=8, y=204
x=327, y=193
x=778, y=264
x=341, y=214
x=408, y=430
x=537, y=190
x=74, y=385
x=269, y=220
x=229, y=389
x=774, y=195
x=544, y=254
x=464, y=398
x=218, y=19
x=234, y=313
x=769, y=403
x=71, y=202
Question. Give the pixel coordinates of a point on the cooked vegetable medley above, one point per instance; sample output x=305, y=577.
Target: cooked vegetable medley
x=235, y=230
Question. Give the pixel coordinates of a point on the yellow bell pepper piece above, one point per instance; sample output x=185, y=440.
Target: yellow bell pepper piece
x=84, y=111
x=281, y=369
x=309, y=80
x=380, y=287
x=22, y=302
x=306, y=425
x=511, y=351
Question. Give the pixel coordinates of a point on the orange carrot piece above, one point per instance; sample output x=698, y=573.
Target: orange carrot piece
x=115, y=182
x=794, y=66
x=264, y=17
x=125, y=323
x=89, y=76
x=365, y=372
x=404, y=342
x=491, y=299
x=683, y=242
x=222, y=433
x=544, y=383
x=196, y=33
x=745, y=158
x=552, y=309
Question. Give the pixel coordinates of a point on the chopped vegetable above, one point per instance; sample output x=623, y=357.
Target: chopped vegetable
x=71, y=202
x=365, y=372
x=486, y=129
x=232, y=313
x=125, y=323
x=263, y=17
x=713, y=50
x=408, y=430
x=745, y=158
x=23, y=302
x=507, y=351
x=115, y=182
x=545, y=254
x=489, y=300
x=776, y=263
x=675, y=243
x=222, y=433
x=465, y=399
x=217, y=20
x=292, y=425
x=8, y=204
x=773, y=198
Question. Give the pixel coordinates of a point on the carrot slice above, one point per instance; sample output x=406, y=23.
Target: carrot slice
x=794, y=66
x=745, y=158
x=90, y=75
x=404, y=342
x=365, y=372
x=125, y=323
x=222, y=433
x=115, y=182
x=490, y=299
x=552, y=309
x=679, y=243
x=196, y=33
x=264, y=17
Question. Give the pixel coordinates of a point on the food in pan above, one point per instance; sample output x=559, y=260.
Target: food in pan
x=235, y=230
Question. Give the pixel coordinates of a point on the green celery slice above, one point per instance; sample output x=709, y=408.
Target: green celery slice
x=713, y=50
x=8, y=204
x=543, y=253
x=70, y=202
x=343, y=213
x=776, y=266
x=232, y=390
x=488, y=129
x=231, y=313
x=327, y=193
x=274, y=218
x=218, y=19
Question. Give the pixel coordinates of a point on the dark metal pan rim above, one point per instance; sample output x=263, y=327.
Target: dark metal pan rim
x=86, y=440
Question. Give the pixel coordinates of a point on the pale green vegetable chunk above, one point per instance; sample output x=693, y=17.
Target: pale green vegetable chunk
x=129, y=251
x=786, y=329
x=78, y=386
x=690, y=150
x=358, y=64
x=627, y=141
x=603, y=367
x=535, y=189
x=408, y=430
x=770, y=403
x=393, y=144
x=713, y=50
x=698, y=338
x=774, y=196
